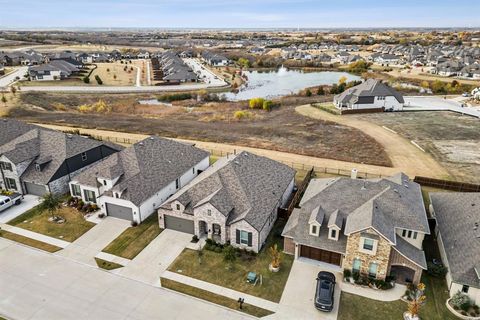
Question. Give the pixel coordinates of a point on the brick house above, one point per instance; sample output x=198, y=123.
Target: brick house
x=234, y=201
x=374, y=227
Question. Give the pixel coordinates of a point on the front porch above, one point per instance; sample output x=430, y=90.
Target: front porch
x=213, y=231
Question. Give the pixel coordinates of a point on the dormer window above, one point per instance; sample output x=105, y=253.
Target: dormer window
x=209, y=212
x=314, y=230
x=333, y=235
x=178, y=207
x=37, y=167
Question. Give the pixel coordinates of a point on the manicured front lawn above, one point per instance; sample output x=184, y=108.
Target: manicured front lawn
x=107, y=265
x=357, y=307
x=133, y=240
x=29, y=242
x=35, y=220
x=214, y=298
x=214, y=269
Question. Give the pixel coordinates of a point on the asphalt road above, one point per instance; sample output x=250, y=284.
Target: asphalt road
x=438, y=104
x=39, y=285
x=5, y=81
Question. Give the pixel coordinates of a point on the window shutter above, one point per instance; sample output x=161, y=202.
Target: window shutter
x=238, y=237
x=249, y=239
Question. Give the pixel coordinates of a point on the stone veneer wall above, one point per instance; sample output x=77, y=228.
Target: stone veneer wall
x=381, y=256
x=288, y=246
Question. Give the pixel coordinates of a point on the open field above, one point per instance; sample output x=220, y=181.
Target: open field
x=113, y=74
x=417, y=74
x=450, y=138
x=283, y=129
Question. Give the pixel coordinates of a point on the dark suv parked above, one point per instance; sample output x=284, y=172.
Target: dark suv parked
x=325, y=291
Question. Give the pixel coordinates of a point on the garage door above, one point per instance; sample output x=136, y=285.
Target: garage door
x=121, y=212
x=35, y=189
x=179, y=224
x=321, y=255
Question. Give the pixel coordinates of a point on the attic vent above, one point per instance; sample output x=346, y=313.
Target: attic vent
x=151, y=138
x=405, y=185
x=140, y=143
x=69, y=136
x=395, y=190
x=236, y=162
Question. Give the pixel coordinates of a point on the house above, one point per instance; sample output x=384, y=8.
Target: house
x=448, y=68
x=371, y=94
x=134, y=182
x=214, y=59
x=55, y=70
x=387, y=59
x=372, y=227
x=35, y=160
x=235, y=201
x=458, y=236
x=143, y=54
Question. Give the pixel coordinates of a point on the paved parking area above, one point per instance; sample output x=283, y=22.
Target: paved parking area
x=29, y=201
x=149, y=265
x=41, y=286
x=85, y=248
x=298, y=295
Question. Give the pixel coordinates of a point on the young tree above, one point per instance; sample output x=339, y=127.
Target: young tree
x=308, y=93
x=321, y=91
x=229, y=255
x=416, y=301
x=275, y=255
x=342, y=80
x=50, y=203
x=13, y=90
x=4, y=99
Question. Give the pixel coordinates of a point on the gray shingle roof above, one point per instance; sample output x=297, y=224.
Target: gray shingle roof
x=457, y=214
x=145, y=167
x=244, y=187
x=39, y=144
x=10, y=129
x=384, y=204
x=411, y=252
x=369, y=88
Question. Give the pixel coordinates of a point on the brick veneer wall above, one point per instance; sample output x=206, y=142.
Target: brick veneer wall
x=288, y=246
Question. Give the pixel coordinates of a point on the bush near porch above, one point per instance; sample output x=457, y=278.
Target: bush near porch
x=214, y=269
x=73, y=228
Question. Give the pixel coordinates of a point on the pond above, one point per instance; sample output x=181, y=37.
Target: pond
x=282, y=82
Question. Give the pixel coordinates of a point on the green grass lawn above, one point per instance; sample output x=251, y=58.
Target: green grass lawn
x=213, y=269
x=107, y=265
x=133, y=240
x=37, y=221
x=357, y=307
x=29, y=242
x=214, y=298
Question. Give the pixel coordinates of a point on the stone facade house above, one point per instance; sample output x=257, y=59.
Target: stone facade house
x=373, y=227
x=235, y=201
x=458, y=237
x=133, y=183
x=36, y=160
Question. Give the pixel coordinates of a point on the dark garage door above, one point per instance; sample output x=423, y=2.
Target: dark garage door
x=117, y=211
x=321, y=255
x=179, y=224
x=35, y=189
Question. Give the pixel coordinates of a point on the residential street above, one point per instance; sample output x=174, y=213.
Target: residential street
x=5, y=81
x=38, y=285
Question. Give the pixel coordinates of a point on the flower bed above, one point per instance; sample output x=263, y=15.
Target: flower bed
x=461, y=306
x=366, y=282
x=77, y=203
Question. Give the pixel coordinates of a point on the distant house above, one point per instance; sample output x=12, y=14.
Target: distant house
x=54, y=70
x=234, y=201
x=371, y=227
x=134, y=182
x=35, y=160
x=214, y=59
x=387, y=59
x=371, y=94
x=143, y=54
x=449, y=68
x=458, y=236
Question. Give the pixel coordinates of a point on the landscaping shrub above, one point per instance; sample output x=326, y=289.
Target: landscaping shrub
x=321, y=91
x=356, y=276
x=308, y=93
x=460, y=300
x=256, y=103
x=218, y=249
x=241, y=114
x=267, y=105
x=194, y=238
x=86, y=79
x=347, y=273
x=101, y=215
x=209, y=241
x=134, y=223
x=175, y=97
x=438, y=271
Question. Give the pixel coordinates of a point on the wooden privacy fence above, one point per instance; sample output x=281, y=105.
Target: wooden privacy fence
x=447, y=185
x=285, y=212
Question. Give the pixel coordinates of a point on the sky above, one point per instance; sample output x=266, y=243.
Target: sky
x=238, y=13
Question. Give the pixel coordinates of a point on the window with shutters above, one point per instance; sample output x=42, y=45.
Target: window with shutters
x=243, y=237
x=6, y=166
x=76, y=191
x=11, y=184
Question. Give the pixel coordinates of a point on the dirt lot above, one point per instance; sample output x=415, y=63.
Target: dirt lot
x=282, y=129
x=452, y=139
x=113, y=74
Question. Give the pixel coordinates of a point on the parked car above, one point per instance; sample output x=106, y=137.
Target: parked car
x=8, y=201
x=466, y=94
x=325, y=291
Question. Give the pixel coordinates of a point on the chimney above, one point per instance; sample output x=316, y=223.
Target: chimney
x=353, y=175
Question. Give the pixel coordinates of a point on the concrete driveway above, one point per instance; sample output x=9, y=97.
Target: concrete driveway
x=40, y=286
x=85, y=248
x=299, y=292
x=29, y=201
x=149, y=264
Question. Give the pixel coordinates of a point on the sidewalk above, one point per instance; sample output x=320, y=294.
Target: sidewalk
x=229, y=293
x=36, y=236
x=380, y=295
x=113, y=258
